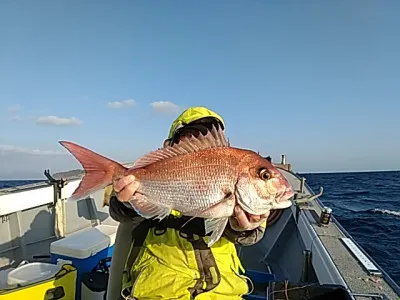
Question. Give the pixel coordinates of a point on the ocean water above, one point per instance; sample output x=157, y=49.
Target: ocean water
x=366, y=204
x=13, y=183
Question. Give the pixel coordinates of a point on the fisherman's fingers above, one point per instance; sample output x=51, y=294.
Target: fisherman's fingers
x=127, y=192
x=121, y=182
x=254, y=218
x=243, y=221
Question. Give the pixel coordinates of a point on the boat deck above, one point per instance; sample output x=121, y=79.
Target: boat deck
x=355, y=275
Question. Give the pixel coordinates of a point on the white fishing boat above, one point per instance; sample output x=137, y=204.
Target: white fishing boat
x=49, y=247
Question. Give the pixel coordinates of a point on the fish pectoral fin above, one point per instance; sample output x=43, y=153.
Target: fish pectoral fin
x=147, y=209
x=217, y=226
x=250, y=202
x=256, y=207
x=228, y=199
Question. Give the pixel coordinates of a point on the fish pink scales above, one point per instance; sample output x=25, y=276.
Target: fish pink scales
x=200, y=176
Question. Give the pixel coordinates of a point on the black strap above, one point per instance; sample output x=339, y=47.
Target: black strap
x=139, y=234
x=194, y=226
x=204, y=257
x=205, y=262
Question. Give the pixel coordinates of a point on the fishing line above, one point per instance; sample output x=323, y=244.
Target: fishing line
x=291, y=289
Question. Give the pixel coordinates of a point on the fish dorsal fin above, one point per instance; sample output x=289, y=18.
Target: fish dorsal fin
x=189, y=144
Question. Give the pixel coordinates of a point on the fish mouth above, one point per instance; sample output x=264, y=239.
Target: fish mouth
x=289, y=193
x=282, y=200
x=282, y=205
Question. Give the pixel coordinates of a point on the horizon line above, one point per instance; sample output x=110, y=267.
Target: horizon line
x=295, y=172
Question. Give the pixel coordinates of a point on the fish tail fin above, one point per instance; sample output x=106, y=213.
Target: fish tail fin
x=99, y=170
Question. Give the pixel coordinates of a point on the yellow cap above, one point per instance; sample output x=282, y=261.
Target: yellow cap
x=190, y=115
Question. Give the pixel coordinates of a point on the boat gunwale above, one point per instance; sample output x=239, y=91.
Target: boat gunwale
x=389, y=280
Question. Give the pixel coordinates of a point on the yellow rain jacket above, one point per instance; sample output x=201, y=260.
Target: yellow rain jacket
x=167, y=262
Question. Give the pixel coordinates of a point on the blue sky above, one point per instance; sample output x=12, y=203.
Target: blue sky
x=318, y=82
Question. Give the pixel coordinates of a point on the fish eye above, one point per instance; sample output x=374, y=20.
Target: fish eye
x=264, y=175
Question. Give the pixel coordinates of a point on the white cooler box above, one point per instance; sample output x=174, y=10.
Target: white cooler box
x=85, y=249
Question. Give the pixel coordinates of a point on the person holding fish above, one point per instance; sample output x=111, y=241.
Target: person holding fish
x=183, y=209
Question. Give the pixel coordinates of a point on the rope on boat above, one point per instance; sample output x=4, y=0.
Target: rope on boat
x=60, y=219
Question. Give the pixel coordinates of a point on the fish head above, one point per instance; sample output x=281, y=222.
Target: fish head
x=261, y=186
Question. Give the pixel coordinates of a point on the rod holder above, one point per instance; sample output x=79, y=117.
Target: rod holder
x=303, y=180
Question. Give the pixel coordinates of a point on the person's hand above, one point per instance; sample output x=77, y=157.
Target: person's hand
x=242, y=221
x=125, y=187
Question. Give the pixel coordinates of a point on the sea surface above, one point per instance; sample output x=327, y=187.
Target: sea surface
x=366, y=204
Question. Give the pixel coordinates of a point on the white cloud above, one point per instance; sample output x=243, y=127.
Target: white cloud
x=10, y=149
x=122, y=104
x=57, y=121
x=12, y=109
x=16, y=118
x=165, y=107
